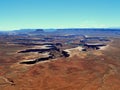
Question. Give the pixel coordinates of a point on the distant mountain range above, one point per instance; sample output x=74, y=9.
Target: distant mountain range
x=77, y=31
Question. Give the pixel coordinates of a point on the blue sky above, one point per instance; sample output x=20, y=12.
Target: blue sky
x=17, y=14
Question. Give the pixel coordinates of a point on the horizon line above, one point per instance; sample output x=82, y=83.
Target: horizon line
x=63, y=28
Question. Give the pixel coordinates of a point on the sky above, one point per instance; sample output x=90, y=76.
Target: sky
x=20, y=14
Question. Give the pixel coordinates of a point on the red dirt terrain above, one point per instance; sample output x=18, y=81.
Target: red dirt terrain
x=93, y=72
